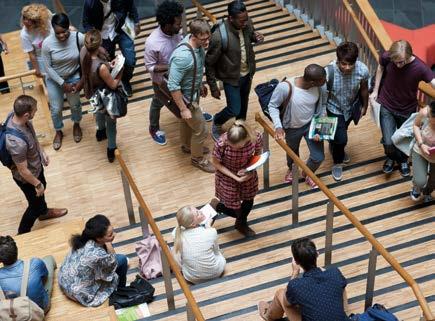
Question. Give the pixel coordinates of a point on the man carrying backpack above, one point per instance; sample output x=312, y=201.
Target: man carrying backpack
x=231, y=58
x=28, y=159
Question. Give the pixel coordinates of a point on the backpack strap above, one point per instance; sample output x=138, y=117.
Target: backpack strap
x=13, y=131
x=25, y=278
x=330, y=81
x=289, y=95
x=224, y=35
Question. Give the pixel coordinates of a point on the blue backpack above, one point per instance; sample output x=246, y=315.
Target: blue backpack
x=375, y=313
x=5, y=157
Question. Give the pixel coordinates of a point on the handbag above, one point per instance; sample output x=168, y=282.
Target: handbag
x=21, y=308
x=150, y=260
x=114, y=102
x=164, y=95
x=144, y=287
x=375, y=313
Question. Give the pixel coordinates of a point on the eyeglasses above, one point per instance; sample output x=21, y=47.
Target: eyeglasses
x=203, y=39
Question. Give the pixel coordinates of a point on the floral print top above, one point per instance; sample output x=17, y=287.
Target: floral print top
x=88, y=275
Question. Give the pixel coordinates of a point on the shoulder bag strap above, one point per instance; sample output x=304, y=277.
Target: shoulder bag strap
x=194, y=69
x=25, y=278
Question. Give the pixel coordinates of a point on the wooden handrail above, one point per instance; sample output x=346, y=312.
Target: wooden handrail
x=355, y=222
x=205, y=12
x=20, y=75
x=381, y=35
x=174, y=266
x=58, y=6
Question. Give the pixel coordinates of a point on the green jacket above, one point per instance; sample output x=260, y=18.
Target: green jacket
x=225, y=65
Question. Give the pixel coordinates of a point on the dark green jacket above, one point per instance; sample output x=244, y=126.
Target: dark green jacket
x=225, y=65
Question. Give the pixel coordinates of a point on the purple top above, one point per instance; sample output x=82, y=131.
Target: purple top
x=158, y=48
x=398, y=92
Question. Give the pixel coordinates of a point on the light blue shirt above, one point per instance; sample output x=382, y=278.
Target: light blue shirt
x=11, y=276
x=181, y=70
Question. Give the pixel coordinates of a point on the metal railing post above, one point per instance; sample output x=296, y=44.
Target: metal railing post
x=144, y=223
x=266, y=164
x=189, y=312
x=167, y=277
x=128, y=200
x=295, y=195
x=329, y=232
x=371, y=275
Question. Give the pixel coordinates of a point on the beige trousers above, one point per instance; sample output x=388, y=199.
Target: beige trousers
x=193, y=132
x=280, y=306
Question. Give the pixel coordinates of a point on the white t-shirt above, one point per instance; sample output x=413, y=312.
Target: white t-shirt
x=32, y=40
x=108, y=29
x=303, y=105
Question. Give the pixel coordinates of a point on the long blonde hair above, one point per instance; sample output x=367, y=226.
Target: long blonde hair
x=238, y=131
x=399, y=48
x=40, y=15
x=185, y=219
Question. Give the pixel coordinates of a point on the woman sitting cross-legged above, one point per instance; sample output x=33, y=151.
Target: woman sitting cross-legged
x=235, y=187
x=196, y=247
x=92, y=271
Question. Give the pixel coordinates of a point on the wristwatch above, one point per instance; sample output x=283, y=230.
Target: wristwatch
x=419, y=144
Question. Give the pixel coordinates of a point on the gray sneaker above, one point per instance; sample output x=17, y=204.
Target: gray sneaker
x=337, y=172
x=346, y=159
x=216, y=131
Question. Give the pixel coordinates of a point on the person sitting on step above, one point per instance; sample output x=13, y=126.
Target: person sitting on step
x=196, y=247
x=316, y=294
x=307, y=99
x=92, y=271
x=234, y=186
x=41, y=273
x=423, y=154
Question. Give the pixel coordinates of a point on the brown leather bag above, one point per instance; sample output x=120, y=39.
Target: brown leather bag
x=164, y=95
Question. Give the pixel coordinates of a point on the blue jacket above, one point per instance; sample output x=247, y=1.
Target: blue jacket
x=93, y=16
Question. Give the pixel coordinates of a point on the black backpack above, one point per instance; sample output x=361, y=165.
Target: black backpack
x=264, y=92
x=5, y=157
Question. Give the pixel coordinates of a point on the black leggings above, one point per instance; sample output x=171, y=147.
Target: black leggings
x=240, y=214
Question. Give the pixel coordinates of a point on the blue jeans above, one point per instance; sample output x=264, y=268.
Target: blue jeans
x=237, y=101
x=390, y=121
x=126, y=45
x=293, y=137
x=55, y=96
x=104, y=121
x=121, y=269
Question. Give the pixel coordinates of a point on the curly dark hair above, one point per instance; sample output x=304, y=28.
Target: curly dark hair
x=8, y=250
x=167, y=11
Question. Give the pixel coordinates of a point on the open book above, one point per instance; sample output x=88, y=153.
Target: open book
x=209, y=213
x=128, y=28
x=257, y=160
x=133, y=313
x=119, y=63
x=325, y=127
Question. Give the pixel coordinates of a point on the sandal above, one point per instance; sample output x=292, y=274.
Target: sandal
x=57, y=141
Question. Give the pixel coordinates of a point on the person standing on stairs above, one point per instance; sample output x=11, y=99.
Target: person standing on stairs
x=347, y=81
x=231, y=58
x=306, y=97
x=29, y=159
x=235, y=187
x=108, y=16
x=401, y=72
x=158, y=48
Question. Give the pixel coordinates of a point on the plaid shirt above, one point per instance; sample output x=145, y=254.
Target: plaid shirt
x=345, y=88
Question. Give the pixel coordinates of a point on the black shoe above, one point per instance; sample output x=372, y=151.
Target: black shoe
x=127, y=88
x=111, y=154
x=388, y=166
x=101, y=135
x=404, y=169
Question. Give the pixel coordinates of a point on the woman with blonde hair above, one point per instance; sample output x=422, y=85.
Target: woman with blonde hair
x=96, y=74
x=197, y=247
x=401, y=72
x=235, y=187
x=36, y=26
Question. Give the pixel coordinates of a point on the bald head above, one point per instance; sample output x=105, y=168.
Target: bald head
x=315, y=74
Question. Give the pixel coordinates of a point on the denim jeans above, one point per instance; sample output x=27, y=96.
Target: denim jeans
x=56, y=94
x=36, y=205
x=293, y=137
x=104, y=121
x=340, y=138
x=126, y=45
x=155, y=107
x=390, y=121
x=121, y=269
x=237, y=101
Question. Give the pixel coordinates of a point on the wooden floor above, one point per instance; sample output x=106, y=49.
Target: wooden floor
x=80, y=178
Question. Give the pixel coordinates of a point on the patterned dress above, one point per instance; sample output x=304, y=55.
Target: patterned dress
x=229, y=191
x=88, y=275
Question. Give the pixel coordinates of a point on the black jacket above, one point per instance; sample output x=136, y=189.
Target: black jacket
x=93, y=16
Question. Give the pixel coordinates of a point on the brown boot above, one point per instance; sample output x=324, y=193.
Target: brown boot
x=186, y=150
x=244, y=229
x=53, y=213
x=77, y=132
x=57, y=141
x=203, y=164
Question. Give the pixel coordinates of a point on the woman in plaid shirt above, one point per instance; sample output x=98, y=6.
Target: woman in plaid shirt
x=235, y=187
